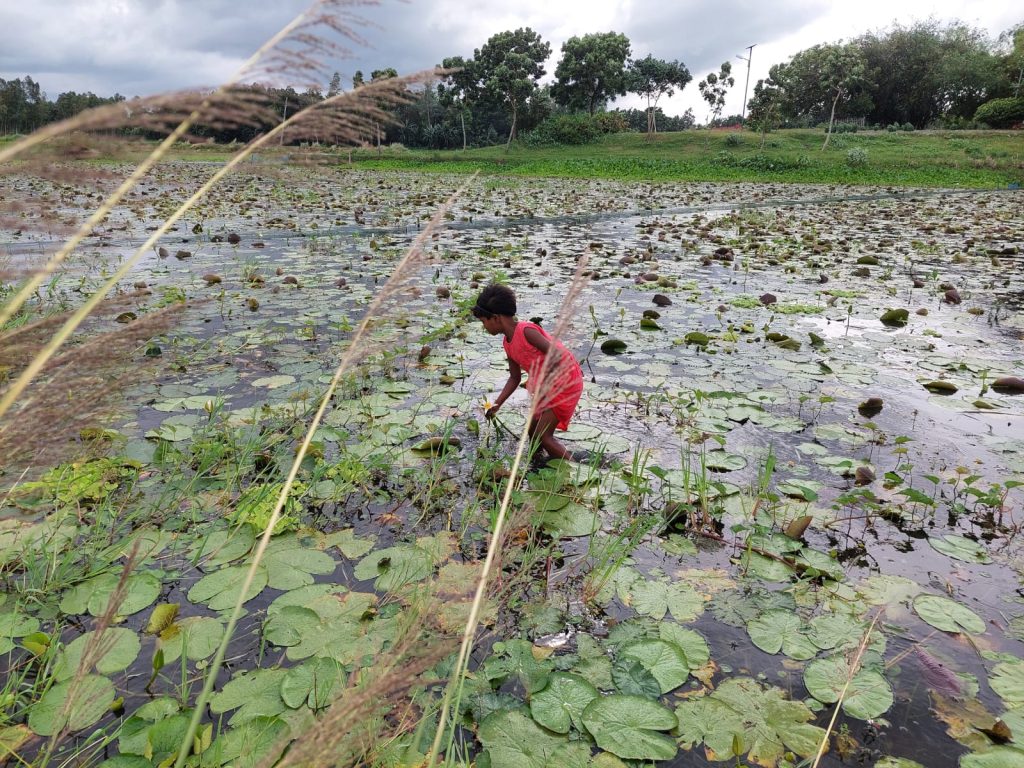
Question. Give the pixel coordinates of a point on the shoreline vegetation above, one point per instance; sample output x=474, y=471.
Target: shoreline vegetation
x=941, y=159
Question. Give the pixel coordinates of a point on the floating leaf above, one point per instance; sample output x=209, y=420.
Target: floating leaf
x=291, y=565
x=256, y=742
x=960, y=548
x=741, y=714
x=515, y=659
x=220, y=547
x=72, y=705
x=394, y=567
x=315, y=682
x=197, y=636
x=113, y=651
x=273, y=382
x=628, y=726
x=93, y=596
x=1008, y=681
x=781, y=630
x=613, y=347
x=560, y=705
x=256, y=693
x=868, y=694
x=632, y=677
x=219, y=590
x=14, y=624
x=664, y=660
x=513, y=740
x=350, y=546
x=948, y=615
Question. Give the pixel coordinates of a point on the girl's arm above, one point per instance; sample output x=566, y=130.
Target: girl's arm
x=515, y=375
x=536, y=339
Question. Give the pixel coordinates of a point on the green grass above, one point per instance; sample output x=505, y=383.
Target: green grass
x=976, y=159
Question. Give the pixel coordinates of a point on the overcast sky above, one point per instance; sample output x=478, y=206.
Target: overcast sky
x=142, y=47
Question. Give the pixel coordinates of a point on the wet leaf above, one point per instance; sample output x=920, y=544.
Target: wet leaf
x=664, y=660
x=629, y=727
x=513, y=740
x=256, y=693
x=195, y=636
x=960, y=548
x=114, y=650
x=93, y=596
x=72, y=705
x=782, y=630
x=868, y=695
x=162, y=617
x=560, y=705
x=219, y=590
x=948, y=615
x=316, y=683
x=1008, y=681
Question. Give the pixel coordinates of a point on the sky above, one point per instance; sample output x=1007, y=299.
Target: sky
x=144, y=47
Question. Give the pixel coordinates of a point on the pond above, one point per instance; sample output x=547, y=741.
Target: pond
x=803, y=411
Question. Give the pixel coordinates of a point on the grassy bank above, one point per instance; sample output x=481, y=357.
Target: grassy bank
x=936, y=159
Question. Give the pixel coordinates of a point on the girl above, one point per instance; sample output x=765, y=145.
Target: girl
x=526, y=345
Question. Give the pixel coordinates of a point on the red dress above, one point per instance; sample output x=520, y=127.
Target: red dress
x=565, y=378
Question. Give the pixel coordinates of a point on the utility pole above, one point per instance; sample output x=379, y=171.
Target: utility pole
x=747, y=58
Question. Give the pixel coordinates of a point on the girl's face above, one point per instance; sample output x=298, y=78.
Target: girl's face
x=491, y=324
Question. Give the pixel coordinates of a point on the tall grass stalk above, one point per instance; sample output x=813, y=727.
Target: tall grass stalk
x=454, y=688
x=76, y=123
x=364, y=99
x=355, y=351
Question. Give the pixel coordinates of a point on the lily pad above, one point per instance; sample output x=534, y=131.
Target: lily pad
x=256, y=693
x=868, y=694
x=113, y=650
x=664, y=660
x=1008, y=681
x=960, y=548
x=72, y=705
x=196, y=636
x=513, y=740
x=776, y=631
x=94, y=596
x=315, y=682
x=613, y=347
x=219, y=590
x=560, y=705
x=948, y=615
x=629, y=727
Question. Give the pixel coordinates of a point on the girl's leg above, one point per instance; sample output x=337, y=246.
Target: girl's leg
x=542, y=430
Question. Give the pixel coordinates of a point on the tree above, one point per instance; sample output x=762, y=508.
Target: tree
x=592, y=70
x=509, y=66
x=334, y=88
x=1012, y=44
x=764, y=108
x=459, y=87
x=653, y=78
x=714, y=87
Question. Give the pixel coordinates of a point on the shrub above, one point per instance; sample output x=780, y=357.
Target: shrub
x=733, y=140
x=856, y=157
x=892, y=128
x=564, y=129
x=843, y=128
x=907, y=127
x=611, y=122
x=1001, y=113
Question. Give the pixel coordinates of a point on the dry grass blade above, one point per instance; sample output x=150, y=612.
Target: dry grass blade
x=854, y=666
x=402, y=272
x=350, y=115
x=81, y=387
x=551, y=359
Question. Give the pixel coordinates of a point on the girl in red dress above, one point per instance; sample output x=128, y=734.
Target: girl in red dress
x=557, y=392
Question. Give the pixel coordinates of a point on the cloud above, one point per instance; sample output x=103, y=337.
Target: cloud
x=139, y=47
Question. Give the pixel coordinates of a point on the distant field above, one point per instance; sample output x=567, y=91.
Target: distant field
x=970, y=159
x=926, y=158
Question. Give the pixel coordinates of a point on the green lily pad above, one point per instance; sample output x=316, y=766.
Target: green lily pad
x=758, y=721
x=315, y=682
x=198, y=637
x=256, y=693
x=93, y=596
x=868, y=694
x=960, y=548
x=394, y=567
x=776, y=631
x=219, y=590
x=72, y=705
x=613, y=347
x=1008, y=681
x=560, y=705
x=220, y=547
x=629, y=727
x=113, y=651
x=513, y=740
x=14, y=624
x=273, y=382
x=291, y=565
x=948, y=615
x=722, y=461
x=664, y=660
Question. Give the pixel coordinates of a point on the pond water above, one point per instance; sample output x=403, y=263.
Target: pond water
x=645, y=599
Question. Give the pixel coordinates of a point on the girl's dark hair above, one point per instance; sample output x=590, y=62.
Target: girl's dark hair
x=495, y=300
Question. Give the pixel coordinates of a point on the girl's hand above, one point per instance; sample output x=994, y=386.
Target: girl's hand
x=491, y=412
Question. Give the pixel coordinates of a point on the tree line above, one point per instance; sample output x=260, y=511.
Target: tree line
x=922, y=75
